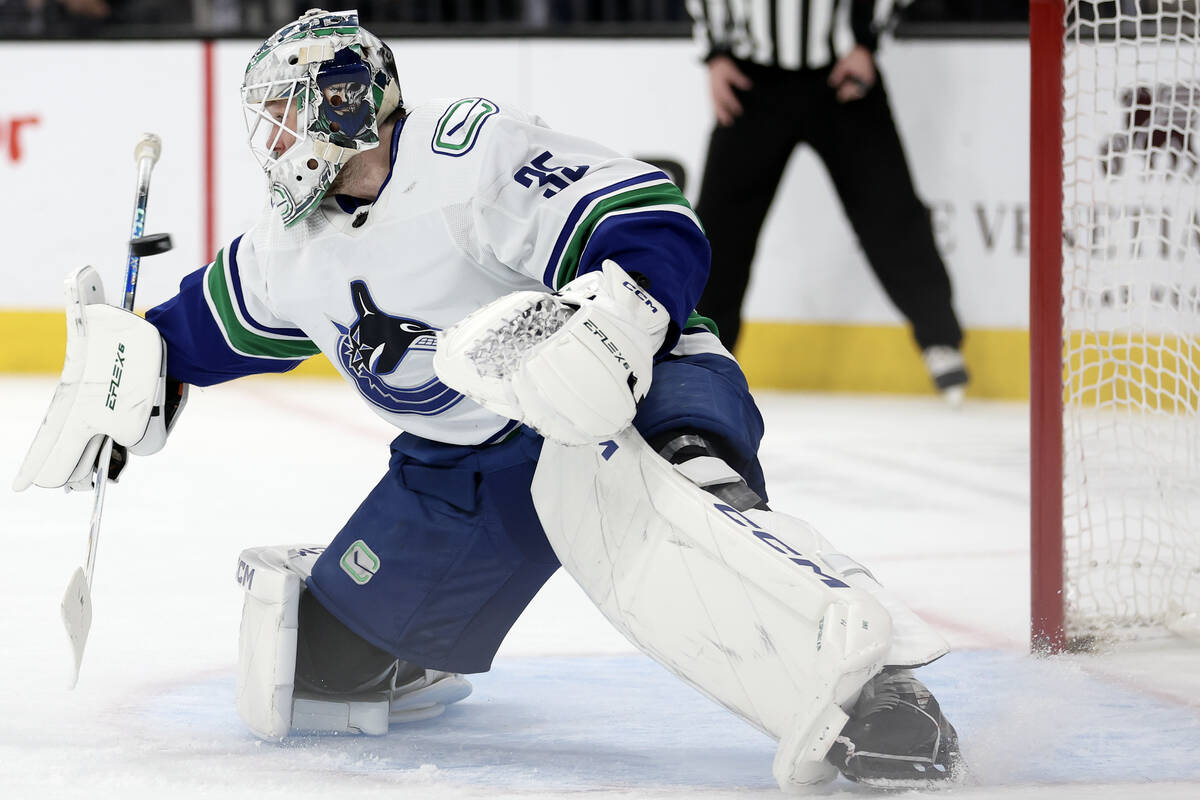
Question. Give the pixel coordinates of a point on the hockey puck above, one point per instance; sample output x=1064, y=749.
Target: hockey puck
x=150, y=245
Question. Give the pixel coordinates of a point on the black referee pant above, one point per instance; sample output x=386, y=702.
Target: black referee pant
x=859, y=145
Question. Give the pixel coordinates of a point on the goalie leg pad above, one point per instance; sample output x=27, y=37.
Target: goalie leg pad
x=741, y=605
x=271, y=579
x=914, y=642
x=363, y=695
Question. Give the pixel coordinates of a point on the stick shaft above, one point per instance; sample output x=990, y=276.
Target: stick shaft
x=146, y=153
x=98, y=507
x=145, y=162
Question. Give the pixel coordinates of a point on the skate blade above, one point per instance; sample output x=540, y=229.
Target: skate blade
x=429, y=701
x=952, y=777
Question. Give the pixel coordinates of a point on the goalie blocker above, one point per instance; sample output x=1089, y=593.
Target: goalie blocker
x=113, y=383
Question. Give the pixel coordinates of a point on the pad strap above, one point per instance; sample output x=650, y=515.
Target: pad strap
x=706, y=471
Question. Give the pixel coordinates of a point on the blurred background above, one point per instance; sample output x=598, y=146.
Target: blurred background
x=95, y=73
x=184, y=19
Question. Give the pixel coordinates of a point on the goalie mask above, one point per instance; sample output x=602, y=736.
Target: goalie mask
x=313, y=96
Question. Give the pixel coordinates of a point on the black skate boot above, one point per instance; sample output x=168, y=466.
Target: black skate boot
x=897, y=737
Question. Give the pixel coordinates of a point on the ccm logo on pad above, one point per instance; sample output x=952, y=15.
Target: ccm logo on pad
x=779, y=546
x=640, y=295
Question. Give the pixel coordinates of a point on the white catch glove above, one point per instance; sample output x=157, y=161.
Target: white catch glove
x=572, y=365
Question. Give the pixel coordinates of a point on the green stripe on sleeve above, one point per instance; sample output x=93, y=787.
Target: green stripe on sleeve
x=639, y=197
x=696, y=320
x=242, y=339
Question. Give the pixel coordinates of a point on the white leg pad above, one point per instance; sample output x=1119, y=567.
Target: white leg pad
x=914, y=642
x=742, y=606
x=272, y=579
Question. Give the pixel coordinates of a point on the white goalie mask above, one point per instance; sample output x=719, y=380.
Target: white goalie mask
x=313, y=96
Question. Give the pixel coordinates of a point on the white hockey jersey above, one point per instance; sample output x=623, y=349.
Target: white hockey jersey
x=481, y=201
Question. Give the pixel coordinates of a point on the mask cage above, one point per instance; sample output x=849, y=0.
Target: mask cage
x=264, y=129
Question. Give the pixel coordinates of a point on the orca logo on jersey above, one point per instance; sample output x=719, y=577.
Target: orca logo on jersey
x=377, y=344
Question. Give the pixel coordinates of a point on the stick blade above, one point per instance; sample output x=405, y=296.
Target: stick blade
x=77, y=618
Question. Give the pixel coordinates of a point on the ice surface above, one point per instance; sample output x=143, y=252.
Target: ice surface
x=934, y=500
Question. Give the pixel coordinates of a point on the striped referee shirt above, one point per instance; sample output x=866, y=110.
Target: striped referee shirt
x=792, y=34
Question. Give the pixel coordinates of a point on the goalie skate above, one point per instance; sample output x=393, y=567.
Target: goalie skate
x=404, y=694
x=897, y=737
x=426, y=695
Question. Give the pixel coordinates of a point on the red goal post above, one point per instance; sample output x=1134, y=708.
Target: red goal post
x=1045, y=320
x=1114, y=320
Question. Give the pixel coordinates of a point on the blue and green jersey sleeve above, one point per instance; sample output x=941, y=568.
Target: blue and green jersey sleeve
x=213, y=334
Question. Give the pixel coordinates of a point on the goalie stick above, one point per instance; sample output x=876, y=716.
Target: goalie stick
x=77, y=600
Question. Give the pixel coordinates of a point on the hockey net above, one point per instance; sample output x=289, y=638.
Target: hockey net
x=1129, y=311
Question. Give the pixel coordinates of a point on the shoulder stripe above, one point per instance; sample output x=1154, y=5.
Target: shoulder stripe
x=264, y=343
x=652, y=191
x=669, y=207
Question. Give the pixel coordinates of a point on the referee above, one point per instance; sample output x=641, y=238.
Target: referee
x=786, y=72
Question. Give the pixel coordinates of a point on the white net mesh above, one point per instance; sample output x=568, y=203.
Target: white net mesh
x=1131, y=314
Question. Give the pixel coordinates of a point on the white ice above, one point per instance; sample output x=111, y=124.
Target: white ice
x=935, y=500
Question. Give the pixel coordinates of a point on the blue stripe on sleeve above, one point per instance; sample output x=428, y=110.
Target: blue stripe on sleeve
x=568, y=228
x=664, y=246
x=197, y=352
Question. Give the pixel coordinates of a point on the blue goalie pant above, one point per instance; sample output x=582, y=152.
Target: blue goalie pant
x=447, y=551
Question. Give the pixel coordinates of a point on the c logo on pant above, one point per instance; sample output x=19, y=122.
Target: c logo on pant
x=360, y=562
